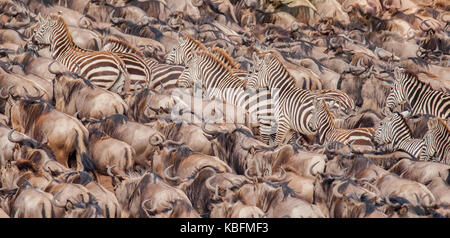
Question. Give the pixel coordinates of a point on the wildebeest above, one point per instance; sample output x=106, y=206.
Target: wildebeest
x=65, y=135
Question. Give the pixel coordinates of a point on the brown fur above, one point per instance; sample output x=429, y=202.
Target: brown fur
x=126, y=44
x=224, y=54
x=209, y=55
x=198, y=43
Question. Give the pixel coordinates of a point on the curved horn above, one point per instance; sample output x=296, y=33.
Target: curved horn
x=168, y=177
x=197, y=3
x=50, y=66
x=146, y=209
x=1, y=92
x=109, y=171
x=85, y=20
x=56, y=203
x=312, y=167
x=208, y=131
x=115, y=20
x=10, y=138
x=421, y=25
x=209, y=186
x=247, y=175
x=388, y=201
x=173, y=142
x=281, y=177
x=158, y=141
x=336, y=188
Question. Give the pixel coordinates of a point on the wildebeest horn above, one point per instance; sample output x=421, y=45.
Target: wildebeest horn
x=110, y=173
x=421, y=25
x=376, y=190
x=85, y=20
x=173, y=142
x=10, y=137
x=156, y=142
x=50, y=66
x=197, y=3
x=56, y=203
x=146, y=209
x=247, y=175
x=336, y=188
x=168, y=177
x=388, y=201
x=7, y=94
x=210, y=187
x=312, y=167
x=281, y=177
x=115, y=20
x=208, y=131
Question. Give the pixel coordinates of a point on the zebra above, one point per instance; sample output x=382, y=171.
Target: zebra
x=138, y=70
x=437, y=141
x=162, y=76
x=184, y=51
x=422, y=99
x=104, y=69
x=322, y=122
x=394, y=130
x=221, y=83
x=292, y=106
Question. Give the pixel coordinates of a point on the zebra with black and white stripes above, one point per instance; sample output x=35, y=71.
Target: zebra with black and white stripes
x=322, y=122
x=437, y=141
x=104, y=69
x=184, y=51
x=421, y=98
x=138, y=71
x=292, y=106
x=393, y=130
x=162, y=76
x=220, y=83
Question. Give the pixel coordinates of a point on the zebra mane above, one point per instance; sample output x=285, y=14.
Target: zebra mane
x=275, y=56
x=214, y=58
x=58, y=18
x=327, y=110
x=223, y=53
x=125, y=44
x=412, y=74
x=198, y=43
x=444, y=124
x=404, y=122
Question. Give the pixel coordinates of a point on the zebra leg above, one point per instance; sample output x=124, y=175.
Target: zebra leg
x=282, y=131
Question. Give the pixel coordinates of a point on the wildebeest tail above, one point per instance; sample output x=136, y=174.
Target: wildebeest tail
x=82, y=152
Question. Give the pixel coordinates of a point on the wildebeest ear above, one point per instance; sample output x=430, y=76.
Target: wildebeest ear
x=69, y=205
x=35, y=157
x=403, y=210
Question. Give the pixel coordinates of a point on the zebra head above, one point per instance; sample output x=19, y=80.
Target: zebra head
x=181, y=53
x=191, y=75
x=42, y=31
x=383, y=133
x=429, y=138
x=318, y=112
x=255, y=77
x=397, y=92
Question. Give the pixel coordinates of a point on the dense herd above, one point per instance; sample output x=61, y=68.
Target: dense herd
x=224, y=108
